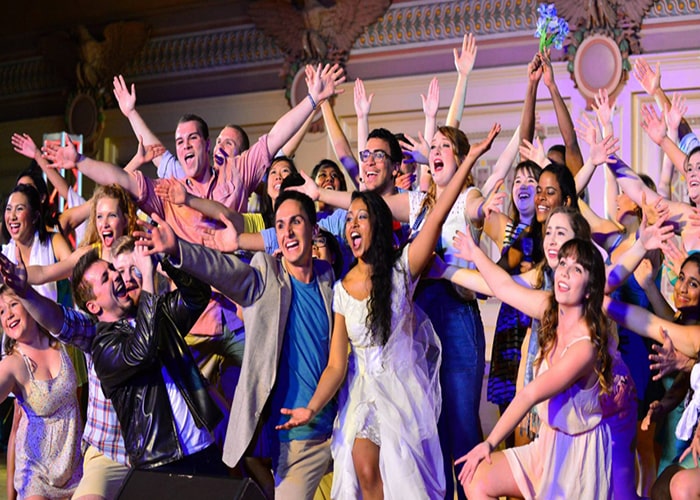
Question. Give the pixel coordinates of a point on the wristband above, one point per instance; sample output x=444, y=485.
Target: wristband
x=81, y=157
x=313, y=103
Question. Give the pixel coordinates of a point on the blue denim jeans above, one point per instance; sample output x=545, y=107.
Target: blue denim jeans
x=458, y=324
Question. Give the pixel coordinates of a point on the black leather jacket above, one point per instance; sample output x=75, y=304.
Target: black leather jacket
x=128, y=362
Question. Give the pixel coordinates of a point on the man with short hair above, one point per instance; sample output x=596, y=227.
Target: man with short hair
x=287, y=311
x=146, y=369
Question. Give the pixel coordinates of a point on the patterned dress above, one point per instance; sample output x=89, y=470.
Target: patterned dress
x=48, y=459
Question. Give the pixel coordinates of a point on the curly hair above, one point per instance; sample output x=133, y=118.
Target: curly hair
x=587, y=255
x=381, y=257
x=34, y=202
x=461, y=147
x=126, y=205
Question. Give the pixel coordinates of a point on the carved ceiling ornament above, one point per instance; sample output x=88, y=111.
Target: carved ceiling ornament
x=604, y=33
x=313, y=32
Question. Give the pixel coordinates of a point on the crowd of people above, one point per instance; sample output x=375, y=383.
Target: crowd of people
x=321, y=334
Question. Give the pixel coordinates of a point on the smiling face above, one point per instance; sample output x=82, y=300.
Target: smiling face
x=524, y=189
x=294, y=233
x=111, y=302
x=192, y=151
x=442, y=159
x=110, y=220
x=328, y=178
x=548, y=196
x=19, y=219
x=558, y=232
x=279, y=171
x=692, y=177
x=15, y=321
x=686, y=291
x=358, y=228
x=570, y=282
x=378, y=175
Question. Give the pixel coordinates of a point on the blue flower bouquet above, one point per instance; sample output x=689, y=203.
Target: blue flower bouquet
x=551, y=29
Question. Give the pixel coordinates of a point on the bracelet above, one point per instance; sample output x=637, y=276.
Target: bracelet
x=81, y=157
x=313, y=103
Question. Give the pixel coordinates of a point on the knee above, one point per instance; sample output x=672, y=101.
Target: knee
x=685, y=485
x=368, y=475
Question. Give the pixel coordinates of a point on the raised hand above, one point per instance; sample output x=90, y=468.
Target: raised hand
x=666, y=359
x=587, y=130
x=464, y=60
x=419, y=147
x=432, y=101
x=309, y=188
x=158, y=238
x=471, y=461
x=482, y=147
x=648, y=78
x=145, y=154
x=533, y=151
x=653, y=124
x=655, y=209
x=674, y=257
x=655, y=236
x=363, y=103
x=61, y=157
x=24, y=145
x=547, y=70
x=298, y=416
x=603, y=107
x=534, y=69
x=170, y=190
x=323, y=81
x=224, y=240
x=125, y=98
x=676, y=111
x=143, y=262
x=494, y=202
x=465, y=245
x=644, y=273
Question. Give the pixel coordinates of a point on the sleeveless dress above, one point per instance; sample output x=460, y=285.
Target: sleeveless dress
x=571, y=457
x=391, y=396
x=48, y=459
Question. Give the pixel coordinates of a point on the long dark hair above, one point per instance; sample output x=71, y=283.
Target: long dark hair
x=381, y=256
x=49, y=209
x=37, y=214
x=267, y=207
x=587, y=255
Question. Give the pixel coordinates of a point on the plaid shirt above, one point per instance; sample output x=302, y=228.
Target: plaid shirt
x=102, y=429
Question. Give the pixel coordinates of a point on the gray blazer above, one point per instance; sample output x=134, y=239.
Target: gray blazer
x=264, y=291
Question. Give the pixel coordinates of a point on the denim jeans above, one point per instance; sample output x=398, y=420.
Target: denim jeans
x=458, y=324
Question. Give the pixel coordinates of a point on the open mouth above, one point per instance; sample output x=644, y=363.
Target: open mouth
x=119, y=288
x=437, y=166
x=13, y=227
x=108, y=238
x=564, y=287
x=355, y=240
x=290, y=245
x=13, y=324
x=189, y=157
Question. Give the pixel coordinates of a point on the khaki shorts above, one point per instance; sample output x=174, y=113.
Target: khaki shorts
x=101, y=476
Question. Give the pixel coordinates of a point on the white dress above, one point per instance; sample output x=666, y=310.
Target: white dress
x=571, y=455
x=391, y=396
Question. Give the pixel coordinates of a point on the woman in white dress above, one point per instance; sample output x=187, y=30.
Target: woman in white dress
x=385, y=441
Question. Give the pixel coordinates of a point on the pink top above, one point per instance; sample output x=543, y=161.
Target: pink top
x=231, y=184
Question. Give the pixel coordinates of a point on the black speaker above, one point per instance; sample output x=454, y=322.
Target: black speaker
x=141, y=484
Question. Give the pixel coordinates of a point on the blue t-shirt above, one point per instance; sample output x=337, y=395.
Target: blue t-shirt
x=304, y=356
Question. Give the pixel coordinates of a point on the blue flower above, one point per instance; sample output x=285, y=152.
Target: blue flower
x=551, y=29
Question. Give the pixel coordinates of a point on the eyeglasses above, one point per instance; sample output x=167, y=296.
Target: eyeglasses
x=377, y=154
x=319, y=242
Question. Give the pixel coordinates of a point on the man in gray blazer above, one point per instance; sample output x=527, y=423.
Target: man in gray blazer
x=287, y=313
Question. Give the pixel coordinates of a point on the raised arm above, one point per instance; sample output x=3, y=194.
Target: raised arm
x=527, y=118
x=531, y=302
x=24, y=145
x=100, y=172
x=431, y=103
x=143, y=155
x=646, y=324
x=363, y=103
x=503, y=164
x=291, y=146
x=339, y=142
x=574, y=159
x=464, y=63
x=655, y=127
